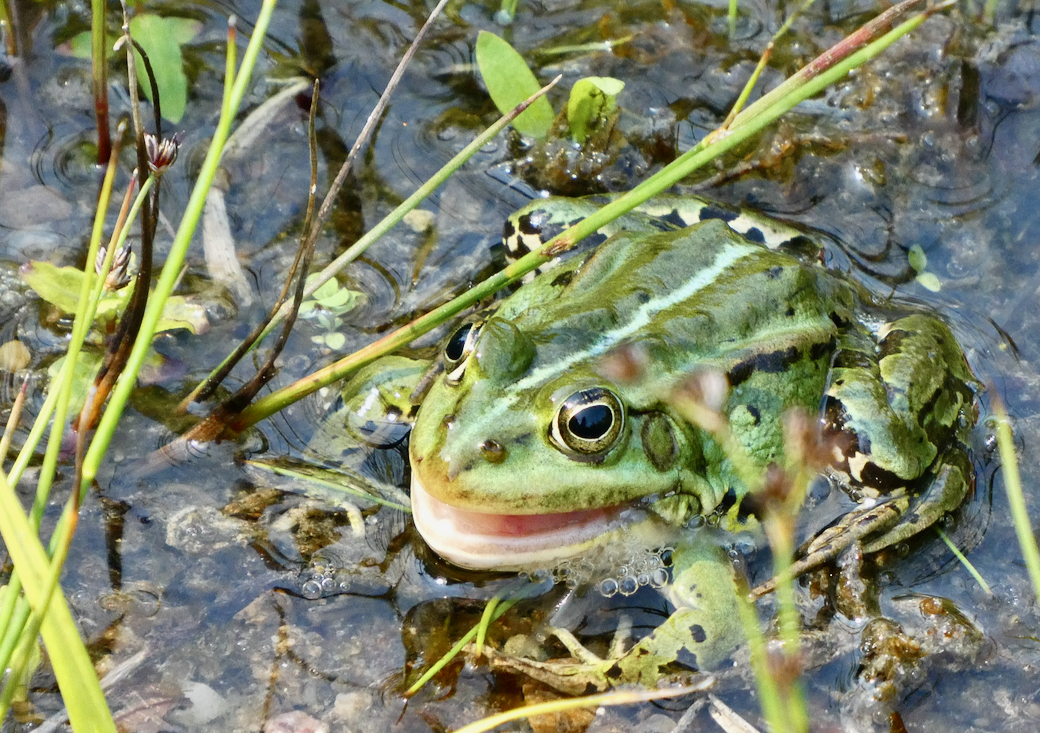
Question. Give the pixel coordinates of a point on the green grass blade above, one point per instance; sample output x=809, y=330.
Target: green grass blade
x=1017, y=500
x=88, y=710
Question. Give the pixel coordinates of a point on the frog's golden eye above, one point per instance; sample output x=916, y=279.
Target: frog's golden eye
x=588, y=422
x=457, y=351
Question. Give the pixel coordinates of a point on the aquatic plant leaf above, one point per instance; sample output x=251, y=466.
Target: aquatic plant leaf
x=180, y=312
x=929, y=281
x=918, y=259
x=60, y=286
x=592, y=99
x=509, y=82
x=162, y=39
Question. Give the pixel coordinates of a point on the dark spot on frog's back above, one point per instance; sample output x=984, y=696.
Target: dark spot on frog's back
x=770, y=363
x=563, y=279
x=508, y=230
x=714, y=212
x=697, y=633
x=755, y=234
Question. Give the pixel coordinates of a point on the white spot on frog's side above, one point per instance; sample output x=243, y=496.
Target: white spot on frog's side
x=773, y=234
x=856, y=465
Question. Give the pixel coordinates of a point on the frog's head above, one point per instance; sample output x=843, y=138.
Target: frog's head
x=523, y=455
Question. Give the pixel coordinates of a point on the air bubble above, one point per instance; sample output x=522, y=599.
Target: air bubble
x=643, y=579
x=608, y=588
x=659, y=579
x=311, y=590
x=628, y=585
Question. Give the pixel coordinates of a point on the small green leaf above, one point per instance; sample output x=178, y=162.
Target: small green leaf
x=179, y=312
x=930, y=281
x=335, y=340
x=918, y=259
x=592, y=99
x=162, y=39
x=87, y=366
x=509, y=82
x=60, y=286
x=327, y=288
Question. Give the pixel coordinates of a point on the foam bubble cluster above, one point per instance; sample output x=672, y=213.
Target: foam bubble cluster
x=613, y=569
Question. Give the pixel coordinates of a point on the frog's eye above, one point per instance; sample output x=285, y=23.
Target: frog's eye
x=588, y=422
x=457, y=351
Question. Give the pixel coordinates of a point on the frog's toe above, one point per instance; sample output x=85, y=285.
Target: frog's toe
x=952, y=483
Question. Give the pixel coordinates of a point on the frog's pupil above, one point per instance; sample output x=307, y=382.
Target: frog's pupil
x=457, y=343
x=591, y=422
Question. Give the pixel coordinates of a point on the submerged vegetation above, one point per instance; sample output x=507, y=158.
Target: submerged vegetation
x=60, y=442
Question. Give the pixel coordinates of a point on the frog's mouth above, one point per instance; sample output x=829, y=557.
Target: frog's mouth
x=510, y=542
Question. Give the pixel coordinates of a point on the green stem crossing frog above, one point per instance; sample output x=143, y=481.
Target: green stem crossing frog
x=527, y=452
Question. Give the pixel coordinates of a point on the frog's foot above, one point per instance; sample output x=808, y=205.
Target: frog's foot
x=583, y=672
x=882, y=523
x=953, y=482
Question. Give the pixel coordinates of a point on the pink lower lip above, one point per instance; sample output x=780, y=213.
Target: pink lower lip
x=514, y=525
x=504, y=541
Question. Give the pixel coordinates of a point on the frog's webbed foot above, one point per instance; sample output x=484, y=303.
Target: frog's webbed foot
x=700, y=634
x=582, y=672
x=893, y=518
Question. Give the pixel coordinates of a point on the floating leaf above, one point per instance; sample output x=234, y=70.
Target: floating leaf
x=591, y=100
x=930, y=281
x=179, y=312
x=509, y=82
x=918, y=259
x=161, y=39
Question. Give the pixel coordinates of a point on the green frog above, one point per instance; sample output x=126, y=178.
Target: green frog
x=530, y=450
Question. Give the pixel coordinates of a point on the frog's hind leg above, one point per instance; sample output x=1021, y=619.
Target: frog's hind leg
x=904, y=400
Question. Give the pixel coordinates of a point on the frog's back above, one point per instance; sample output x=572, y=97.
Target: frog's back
x=699, y=297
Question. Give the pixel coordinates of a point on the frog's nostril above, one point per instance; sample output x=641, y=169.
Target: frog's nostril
x=493, y=451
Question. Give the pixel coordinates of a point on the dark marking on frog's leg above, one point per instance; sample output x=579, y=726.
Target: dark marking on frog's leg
x=755, y=234
x=687, y=658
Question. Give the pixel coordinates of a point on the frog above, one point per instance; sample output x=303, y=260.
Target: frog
x=528, y=451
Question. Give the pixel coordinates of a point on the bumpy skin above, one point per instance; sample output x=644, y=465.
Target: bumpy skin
x=787, y=334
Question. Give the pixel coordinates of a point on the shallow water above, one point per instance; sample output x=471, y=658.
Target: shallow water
x=200, y=568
